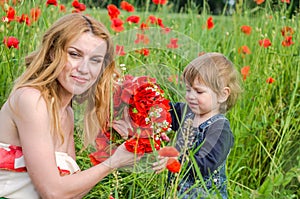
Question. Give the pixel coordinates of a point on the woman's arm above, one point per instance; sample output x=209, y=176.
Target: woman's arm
x=32, y=120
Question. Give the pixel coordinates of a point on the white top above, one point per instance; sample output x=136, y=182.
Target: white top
x=15, y=185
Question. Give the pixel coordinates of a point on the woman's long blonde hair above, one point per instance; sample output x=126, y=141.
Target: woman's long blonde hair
x=46, y=63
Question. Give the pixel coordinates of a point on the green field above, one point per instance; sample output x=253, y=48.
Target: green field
x=265, y=160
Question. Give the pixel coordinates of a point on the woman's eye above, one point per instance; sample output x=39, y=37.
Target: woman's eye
x=74, y=54
x=97, y=61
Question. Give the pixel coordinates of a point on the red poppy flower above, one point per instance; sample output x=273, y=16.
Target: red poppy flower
x=10, y=14
x=75, y=4
x=127, y=6
x=62, y=8
x=270, y=80
x=103, y=149
x=173, y=165
x=141, y=38
x=209, y=23
x=287, y=31
x=120, y=50
x=152, y=19
x=166, y=30
x=101, y=142
x=160, y=22
x=285, y=1
x=113, y=11
x=265, y=43
x=24, y=18
x=287, y=41
x=161, y=2
x=133, y=19
x=98, y=157
x=246, y=29
x=258, y=2
x=51, y=2
x=144, y=26
x=75, y=10
x=35, y=13
x=144, y=51
x=244, y=50
x=245, y=72
x=173, y=78
x=142, y=145
x=80, y=6
x=11, y=42
x=117, y=25
x=173, y=43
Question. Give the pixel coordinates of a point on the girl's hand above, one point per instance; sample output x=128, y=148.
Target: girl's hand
x=160, y=165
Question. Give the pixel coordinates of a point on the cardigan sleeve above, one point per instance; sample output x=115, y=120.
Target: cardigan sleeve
x=176, y=114
x=215, y=147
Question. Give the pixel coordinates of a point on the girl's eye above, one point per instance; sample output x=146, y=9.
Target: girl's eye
x=199, y=92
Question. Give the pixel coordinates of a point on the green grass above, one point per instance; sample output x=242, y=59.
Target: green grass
x=265, y=160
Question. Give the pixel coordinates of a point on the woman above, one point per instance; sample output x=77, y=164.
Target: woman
x=37, y=155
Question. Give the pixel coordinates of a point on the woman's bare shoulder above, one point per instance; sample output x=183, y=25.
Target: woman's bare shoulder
x=25, y=95
x=27, y=101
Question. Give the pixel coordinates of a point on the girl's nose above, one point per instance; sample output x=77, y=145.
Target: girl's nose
x=191, y=94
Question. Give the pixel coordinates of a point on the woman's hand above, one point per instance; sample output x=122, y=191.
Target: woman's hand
x=123, y=126
x=160, y=165
x=121, y=158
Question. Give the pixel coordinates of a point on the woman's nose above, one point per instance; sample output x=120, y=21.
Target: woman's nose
x=83, y=66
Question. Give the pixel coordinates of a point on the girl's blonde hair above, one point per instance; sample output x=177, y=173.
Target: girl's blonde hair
x=46, y=63
x=215, y=71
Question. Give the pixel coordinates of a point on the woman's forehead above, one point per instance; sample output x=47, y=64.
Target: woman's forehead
x=90, y=43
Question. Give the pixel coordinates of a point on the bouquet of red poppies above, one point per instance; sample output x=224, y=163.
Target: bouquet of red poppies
x=148, y=110
x=150, y=119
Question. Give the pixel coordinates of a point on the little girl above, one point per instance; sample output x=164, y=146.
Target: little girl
x=204, y=137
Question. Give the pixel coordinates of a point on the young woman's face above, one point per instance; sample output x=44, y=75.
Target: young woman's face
x=201, y=99
x=85, y=60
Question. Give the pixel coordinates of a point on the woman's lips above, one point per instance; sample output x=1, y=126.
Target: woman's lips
x=79, y=79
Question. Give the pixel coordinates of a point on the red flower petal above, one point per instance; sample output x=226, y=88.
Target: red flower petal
x=98, y=157
x=246, y=29
x=161, y=2
x=209, y=23
x=270, y=80
x=168, y=151
x=245, y=71
x=173, y=165
x=113, y=11
x=127, y=6
x=11, y=42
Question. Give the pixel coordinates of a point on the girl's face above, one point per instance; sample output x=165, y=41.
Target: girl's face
x=85, y=60
x=202, y=100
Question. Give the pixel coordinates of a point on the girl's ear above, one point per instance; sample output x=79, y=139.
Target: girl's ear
x=224, y=95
